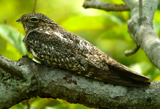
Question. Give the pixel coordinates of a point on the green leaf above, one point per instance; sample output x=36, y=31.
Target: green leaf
x=14, y=37
x=18, y=106
x=90, y=22
x=78, y=106
x=118, y=32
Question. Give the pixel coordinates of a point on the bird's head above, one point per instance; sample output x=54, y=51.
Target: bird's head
x=34, y=20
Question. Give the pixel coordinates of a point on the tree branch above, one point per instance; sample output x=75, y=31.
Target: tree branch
x=104, y=6
x=141, y=29
x=34, y=6
x=45, y=81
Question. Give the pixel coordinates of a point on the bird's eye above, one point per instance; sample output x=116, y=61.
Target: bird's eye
x=34, y=20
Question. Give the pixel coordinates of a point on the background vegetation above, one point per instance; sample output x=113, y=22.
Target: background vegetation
x=105, y=30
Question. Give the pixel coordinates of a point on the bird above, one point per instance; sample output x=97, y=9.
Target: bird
x=54, y=46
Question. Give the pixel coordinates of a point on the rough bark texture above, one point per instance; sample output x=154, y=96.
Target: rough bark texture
x=57, y=83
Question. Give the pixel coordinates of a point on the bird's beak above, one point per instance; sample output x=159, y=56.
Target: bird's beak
x=19, y=20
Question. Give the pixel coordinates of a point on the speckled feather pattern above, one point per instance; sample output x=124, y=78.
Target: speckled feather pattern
x=52, y=45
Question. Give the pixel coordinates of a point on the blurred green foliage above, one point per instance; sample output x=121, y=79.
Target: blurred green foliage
x=105, y=30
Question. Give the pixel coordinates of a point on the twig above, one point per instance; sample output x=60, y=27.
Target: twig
x=5, y=21
x=132, y=51
x=34, y=6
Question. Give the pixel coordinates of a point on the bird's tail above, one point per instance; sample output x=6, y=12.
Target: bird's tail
x=118, y=75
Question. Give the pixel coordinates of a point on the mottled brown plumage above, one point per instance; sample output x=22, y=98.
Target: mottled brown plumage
x=52, y=45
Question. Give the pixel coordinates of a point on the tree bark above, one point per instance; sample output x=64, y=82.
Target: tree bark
x=44, y=81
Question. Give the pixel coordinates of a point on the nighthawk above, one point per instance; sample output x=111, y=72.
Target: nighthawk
x=52, y=45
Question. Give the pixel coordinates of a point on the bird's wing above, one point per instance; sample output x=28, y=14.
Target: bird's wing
x=112, y=70
x=117, y=73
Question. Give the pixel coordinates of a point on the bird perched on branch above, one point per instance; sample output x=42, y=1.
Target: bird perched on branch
x=52, y=45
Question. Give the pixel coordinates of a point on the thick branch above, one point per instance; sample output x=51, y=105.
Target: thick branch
x=57, y=83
